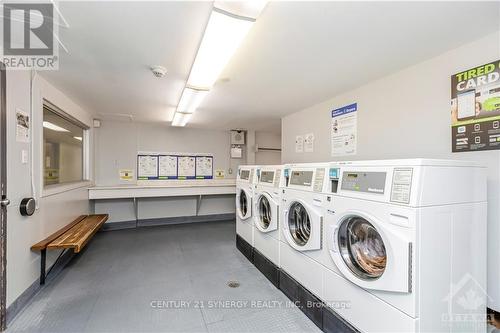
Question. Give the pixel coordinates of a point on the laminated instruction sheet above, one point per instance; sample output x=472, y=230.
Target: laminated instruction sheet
x=344, y=128
x=165, y=166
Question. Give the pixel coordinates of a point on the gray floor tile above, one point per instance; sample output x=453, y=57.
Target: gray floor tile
x=161, y=279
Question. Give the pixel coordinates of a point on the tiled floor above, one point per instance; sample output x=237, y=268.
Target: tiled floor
x=137, y=280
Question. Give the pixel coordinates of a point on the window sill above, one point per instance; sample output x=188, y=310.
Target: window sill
x=61, y=188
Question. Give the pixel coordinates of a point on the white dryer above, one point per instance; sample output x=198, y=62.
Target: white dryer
x=267, y=199
x=302, y=213
x=245, y=186
x=409, y=240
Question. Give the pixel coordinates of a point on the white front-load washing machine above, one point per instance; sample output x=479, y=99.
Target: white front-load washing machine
x=267, y=199
x=409, y=240
x=302, y=213
x=245, y=186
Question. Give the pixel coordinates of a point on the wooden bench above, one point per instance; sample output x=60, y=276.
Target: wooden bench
x=73, y=236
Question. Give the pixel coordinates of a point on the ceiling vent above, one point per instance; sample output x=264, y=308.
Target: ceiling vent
x=159, y=71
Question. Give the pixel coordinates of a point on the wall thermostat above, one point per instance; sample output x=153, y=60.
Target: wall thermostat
x=27, y=207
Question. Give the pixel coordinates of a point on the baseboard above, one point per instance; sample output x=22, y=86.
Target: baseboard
x=110, y=226
x=316, y=310
x=266, y=267
x=25, y=298
x=244, y=247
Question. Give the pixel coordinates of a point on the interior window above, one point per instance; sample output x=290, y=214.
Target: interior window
x=63, y=153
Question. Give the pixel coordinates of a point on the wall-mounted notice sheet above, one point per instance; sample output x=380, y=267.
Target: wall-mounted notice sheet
x=187, y=167
x=147, y=167
x=204, y=167
x=167, y=167
x=344, y=130
x=475, y=108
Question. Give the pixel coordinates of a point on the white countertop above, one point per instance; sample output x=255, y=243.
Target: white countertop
x=167, y=188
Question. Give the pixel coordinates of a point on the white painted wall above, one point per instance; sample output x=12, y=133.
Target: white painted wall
x=117, y=144
x=268, y=140
x=55, y=210
x=406, y=115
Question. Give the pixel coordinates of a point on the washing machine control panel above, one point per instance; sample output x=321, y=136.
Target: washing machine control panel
x=366, y=182
x=301, y=178
x=266, y=177
x=245, y=174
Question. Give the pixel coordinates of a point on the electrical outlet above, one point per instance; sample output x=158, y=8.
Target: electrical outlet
x=24, y=156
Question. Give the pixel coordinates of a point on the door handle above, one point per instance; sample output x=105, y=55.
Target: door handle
x=4, y=202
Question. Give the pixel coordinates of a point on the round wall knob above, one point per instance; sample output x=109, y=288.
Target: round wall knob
x=27, y=207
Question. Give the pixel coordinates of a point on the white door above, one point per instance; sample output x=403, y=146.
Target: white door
x=266, y=213
x=370, y=255
x=244, y=204
x=302, y=226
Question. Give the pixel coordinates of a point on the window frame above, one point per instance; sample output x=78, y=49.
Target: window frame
x=48, y=190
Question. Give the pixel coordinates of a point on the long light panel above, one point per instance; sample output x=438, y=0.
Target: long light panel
x=54, y=127
x=227, y=26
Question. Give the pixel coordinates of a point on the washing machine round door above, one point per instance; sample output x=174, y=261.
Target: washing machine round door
x=362, y=248
x=244, y=204
x=266, y=213
x=299, y=223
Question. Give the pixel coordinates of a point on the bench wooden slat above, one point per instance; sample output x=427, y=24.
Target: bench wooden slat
x=43, y=244
x=77, y=237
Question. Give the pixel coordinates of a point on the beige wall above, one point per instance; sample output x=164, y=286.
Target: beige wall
x=406, y=115
x=117, y=144
x=55, y=209
x=268, y=140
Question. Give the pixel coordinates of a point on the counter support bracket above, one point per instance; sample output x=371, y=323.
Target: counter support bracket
x=198, y=204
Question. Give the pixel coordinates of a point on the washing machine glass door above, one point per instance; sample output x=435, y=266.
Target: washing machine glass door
x=267, y=212
x=362, y=248
x=244, y=204
x=299, y=223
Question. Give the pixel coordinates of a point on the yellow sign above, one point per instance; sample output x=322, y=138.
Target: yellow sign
x=126, y=174
x=219, y=174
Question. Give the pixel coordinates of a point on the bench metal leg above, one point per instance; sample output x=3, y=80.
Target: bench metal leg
x=43, y=262
x=198, y=204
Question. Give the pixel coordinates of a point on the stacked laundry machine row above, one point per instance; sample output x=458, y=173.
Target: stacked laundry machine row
x=371, y=246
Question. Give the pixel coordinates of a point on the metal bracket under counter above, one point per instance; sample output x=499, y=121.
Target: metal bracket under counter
x=197, y=189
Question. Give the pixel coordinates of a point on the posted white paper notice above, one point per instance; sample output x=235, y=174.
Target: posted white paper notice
x=22, y=126
x=147, y=167
x=344, y=128
x=299, y=144
x=309, y=143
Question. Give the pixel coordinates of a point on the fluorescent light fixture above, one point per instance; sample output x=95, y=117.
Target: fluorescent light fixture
x=250, y=9
x=227, y=26
x=190, y=100
x=181, y=119
x=54, y=127
x=223, y=35
x=79, y=138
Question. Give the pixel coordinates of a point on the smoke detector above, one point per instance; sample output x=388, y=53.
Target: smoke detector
x=158, y=71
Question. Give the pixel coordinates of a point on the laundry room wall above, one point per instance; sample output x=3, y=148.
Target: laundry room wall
x=268, y=140
x=56, y=208
x=407, y=115
x=117, y=144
